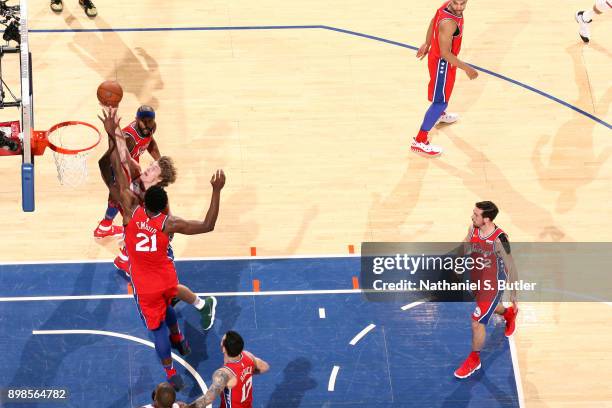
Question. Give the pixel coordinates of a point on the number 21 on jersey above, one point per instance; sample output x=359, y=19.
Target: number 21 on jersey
x=147, y=243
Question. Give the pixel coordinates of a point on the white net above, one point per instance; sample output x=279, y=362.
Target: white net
x=72, y=167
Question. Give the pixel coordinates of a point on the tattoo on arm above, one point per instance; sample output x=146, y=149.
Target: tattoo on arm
x=219, y=381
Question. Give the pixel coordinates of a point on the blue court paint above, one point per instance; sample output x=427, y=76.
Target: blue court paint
x=323, y=27
x=406, y=361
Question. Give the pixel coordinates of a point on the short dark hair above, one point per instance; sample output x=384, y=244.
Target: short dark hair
x=165, y=395
x=233, y=343
x=489, y=209
x=156, y=199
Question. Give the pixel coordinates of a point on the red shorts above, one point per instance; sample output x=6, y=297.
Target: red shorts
x=486, y=302
x=152, y=306
x=441, y=80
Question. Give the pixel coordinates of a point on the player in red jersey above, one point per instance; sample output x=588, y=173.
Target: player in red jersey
x=487, y=241
x=443, y=43
x=233, y=381
x=147, y=231
x=138, y=138
x=117, y=146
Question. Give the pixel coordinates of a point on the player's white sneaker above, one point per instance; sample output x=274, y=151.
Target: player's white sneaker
x=425, y=148
x=448, y=118
x=583, y=26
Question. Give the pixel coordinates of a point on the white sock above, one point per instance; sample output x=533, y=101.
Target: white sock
x=587, y=16
x=199, y=303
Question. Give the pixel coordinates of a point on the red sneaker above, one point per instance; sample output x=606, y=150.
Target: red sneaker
x=425, y=148
x=510, y=316
x=122, y=263
x=469, y=366
x=107, y=231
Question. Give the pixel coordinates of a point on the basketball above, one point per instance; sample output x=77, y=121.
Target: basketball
x=110, y=93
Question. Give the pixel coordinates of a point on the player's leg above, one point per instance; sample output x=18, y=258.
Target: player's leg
x=177, y=340
x=163, y=349
x=449, y=117
x=438, y=76
x=89, y=8
x=485, y=307
x=585, y=17
x=152, y=308
x=105, y=227
x=509, y=313
x=472, y=362
x=206, y=307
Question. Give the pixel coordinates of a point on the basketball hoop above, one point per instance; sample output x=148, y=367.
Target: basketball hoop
x=71, y=143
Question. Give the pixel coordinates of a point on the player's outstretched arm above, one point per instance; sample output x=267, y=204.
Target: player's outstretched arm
x=219, y=381
x=126, y=198
x=181, y=226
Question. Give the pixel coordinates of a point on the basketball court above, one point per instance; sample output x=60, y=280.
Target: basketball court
x=310, y=110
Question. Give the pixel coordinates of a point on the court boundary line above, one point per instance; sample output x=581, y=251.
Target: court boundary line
x=189, y=259
x=517, y=374
x=218, y=294
x=329, y=28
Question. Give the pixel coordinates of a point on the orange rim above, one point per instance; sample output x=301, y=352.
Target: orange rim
x=64, y=150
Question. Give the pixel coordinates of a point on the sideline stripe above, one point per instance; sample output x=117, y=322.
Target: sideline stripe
x=517, y=374
x=210, y=258
x=220, y=294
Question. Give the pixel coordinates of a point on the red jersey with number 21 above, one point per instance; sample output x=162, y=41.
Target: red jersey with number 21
x=147, y=245
x=240, y=395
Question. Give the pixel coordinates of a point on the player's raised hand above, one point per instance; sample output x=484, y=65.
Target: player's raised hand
x=110, y=120
x=218, y=180
x=423, y=51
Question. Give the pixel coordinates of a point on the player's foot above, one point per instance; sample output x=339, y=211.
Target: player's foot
x=122, y=265
x=425, y=148
x=103, y=231
x=207, y=314
x=510, y=316
x=89, y=8
x=57, y=5
x=177, y=382
x=583, y=26
x=469, y=366
x=182, y=347
x=447, y=117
